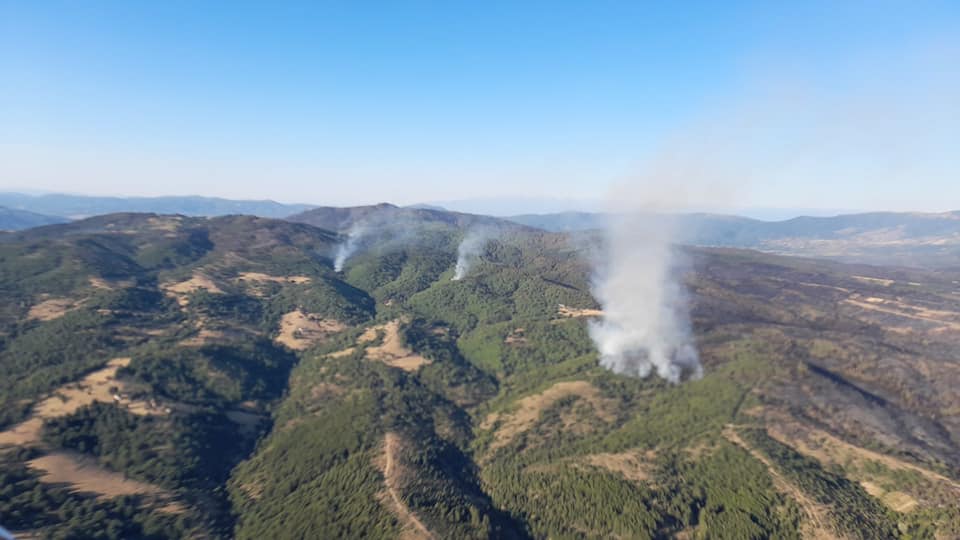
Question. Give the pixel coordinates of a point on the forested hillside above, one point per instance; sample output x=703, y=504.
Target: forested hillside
x=167, y=377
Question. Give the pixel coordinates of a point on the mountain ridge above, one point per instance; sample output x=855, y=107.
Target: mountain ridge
x=80, y=206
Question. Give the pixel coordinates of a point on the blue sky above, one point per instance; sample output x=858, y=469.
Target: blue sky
x=765, y=104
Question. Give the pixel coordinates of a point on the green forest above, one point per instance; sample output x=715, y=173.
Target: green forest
x=241, y=388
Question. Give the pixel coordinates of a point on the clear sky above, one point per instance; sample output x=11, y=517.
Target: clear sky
x=738, y=104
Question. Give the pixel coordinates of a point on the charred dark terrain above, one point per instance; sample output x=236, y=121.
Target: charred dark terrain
x=911, y=239
x=167, y=377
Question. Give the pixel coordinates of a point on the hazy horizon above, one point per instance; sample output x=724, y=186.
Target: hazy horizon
x=740, y=106
x=508, y=207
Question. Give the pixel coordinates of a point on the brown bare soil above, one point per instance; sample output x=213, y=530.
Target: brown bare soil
x=80, y=472
x=67, y=399
x=898, y=501
x=568, y=312
x=941, y=320
x=110, y=285
x=256, y=282
x=85, y=474
x=300, y=330
x=874, y=281
x=370, y=334
x=529, y=409
x=257, y=276
x=392, y=351
x=182, y=289
x=52, y=308
x=340, y=354
x=635, y=465
x=24, y=433
x=516, y=337
x=166, y=223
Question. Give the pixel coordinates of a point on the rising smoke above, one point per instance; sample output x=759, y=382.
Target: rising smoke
x=349, y=246
x=645, y=325
x=469, y=251
x=892, y=122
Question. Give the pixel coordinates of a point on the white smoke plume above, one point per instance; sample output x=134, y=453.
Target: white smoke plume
x=645, y=326
x=880, y=124
x=349, y=246
x=469, y=251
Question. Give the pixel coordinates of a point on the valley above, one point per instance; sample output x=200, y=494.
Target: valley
x=171, y=377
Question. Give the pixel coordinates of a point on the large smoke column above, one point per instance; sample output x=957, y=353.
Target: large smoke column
x=864, y=135
x=347, y=248
x=646, y=324
x=469, y=251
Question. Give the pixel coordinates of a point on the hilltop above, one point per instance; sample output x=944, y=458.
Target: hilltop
x=387, y=215
x=170, y=376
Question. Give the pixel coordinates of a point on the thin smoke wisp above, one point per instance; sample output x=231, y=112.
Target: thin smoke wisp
x=349, y=246
x=645, y=326
x=469, y=251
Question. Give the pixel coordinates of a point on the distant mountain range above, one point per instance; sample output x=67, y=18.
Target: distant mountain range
x=12, y=219
x=898, y=238
x=80, y=206
x=885, y=238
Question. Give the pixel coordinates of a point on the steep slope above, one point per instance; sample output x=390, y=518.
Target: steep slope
x=195, y=309
x=262, y=394
x=793, y=350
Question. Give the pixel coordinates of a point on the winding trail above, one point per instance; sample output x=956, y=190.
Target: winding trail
x=391, y=477
x=818, y=524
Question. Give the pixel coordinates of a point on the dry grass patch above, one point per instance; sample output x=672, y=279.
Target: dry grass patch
x=110, y=284
x=939, y=319
x=299, y=330
x=340, y=354
x=897, y=501
x=635, y=465
x=568, y=312
x=516, y=337
x=82, y=473
x=165, y=223
x=69, y=398
x=85, y=474
x=181, y=289
x=393, y=351
x=256, y=281
x=528, y=410
x=52, y=308
x=22, y=434
x=267, y=278
x=874, y=281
